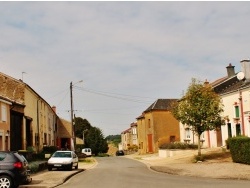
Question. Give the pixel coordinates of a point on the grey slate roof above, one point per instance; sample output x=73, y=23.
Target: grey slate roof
x=227, y=85
x=161, y=104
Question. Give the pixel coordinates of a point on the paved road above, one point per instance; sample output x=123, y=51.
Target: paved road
x=113, y=172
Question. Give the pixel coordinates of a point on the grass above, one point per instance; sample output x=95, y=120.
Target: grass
x=219, y=156
x=86, y=160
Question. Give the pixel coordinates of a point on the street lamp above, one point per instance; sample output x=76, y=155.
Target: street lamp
x=71, y=114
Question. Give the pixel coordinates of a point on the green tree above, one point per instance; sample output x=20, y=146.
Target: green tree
x=95, y=140
x=115, y=139
x=81, y=125
x=200, y=109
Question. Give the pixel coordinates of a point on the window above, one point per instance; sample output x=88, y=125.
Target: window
x=148, y=123
x=187, y=134
x=3, y=113
x=238, y=130
x=229, y=130
x=172, y=139
x=237, y=112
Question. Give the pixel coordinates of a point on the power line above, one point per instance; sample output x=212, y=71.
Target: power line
x=116, y=95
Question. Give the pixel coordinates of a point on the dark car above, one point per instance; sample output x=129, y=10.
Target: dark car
x=120, y=153
x=14, y=169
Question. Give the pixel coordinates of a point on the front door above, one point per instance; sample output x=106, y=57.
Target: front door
x=150, y=143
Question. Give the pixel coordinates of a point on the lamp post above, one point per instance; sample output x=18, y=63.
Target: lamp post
x=71, y=115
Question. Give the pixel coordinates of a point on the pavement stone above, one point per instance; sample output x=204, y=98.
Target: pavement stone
x=50, y=179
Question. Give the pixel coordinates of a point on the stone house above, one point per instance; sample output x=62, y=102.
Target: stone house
x=32, y=121
x=126, y=139
x=157, y=125
x=5, y=106
x=64, y=138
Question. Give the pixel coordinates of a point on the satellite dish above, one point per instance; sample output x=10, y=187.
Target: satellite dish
x=240, y=76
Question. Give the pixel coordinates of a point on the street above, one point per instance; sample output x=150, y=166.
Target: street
x=113, y=172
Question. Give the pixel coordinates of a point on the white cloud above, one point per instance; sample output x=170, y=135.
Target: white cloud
x=147, y=49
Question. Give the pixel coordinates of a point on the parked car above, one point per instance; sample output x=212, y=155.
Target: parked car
x=119, y=153
x=14, y=169
x=63, y=160
x=87, y=152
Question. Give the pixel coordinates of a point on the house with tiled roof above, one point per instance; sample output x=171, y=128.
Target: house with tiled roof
x=157, y=124
x=126, y=139
x=234, y=91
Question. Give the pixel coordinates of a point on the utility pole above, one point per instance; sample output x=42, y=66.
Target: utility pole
x=71, y=114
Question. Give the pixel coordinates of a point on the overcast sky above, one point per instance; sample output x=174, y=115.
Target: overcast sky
x=128, y=54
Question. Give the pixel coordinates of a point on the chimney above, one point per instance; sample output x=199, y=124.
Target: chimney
x=54, y=108
x=230, y=70
x=245, y=68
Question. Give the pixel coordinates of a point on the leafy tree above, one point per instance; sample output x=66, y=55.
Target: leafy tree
x=200, y=109
x=115, y=139
x=95, y=140
x=81, y=125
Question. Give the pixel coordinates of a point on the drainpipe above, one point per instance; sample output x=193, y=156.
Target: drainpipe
x=38, y=124
x=242, y=114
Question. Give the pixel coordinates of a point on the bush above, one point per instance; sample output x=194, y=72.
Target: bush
x=178, y=145
x=133, y=148
x=240, y=149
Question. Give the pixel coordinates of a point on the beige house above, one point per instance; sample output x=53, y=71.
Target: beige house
x=64, y=138
x=5, y=124
x=32, y=120
x=157, y=125
x=126, y=139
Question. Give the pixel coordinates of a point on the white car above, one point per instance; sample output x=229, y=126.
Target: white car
x=63, y=160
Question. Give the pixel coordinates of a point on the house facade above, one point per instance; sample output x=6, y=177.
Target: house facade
x=126, y=139
x=235, y=94
x=234, y=91
x=5, y=124
x=32, y=120
x=157, y=125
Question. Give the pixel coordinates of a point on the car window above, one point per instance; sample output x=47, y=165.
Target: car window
x=62, y=154
x=2, y=156
x=67, y=154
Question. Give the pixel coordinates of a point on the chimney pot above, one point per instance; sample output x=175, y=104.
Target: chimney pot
x=230, y=70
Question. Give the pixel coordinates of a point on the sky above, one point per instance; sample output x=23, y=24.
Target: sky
x=127, y=54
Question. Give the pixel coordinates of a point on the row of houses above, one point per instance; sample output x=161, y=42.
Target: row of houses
x=156, y=125
x=27, y=120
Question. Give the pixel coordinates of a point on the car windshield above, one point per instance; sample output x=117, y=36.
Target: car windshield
x=62, y=154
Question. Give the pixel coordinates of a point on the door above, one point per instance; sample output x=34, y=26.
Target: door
x=150, y=143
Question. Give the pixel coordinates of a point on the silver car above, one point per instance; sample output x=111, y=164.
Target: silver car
x=63, y=160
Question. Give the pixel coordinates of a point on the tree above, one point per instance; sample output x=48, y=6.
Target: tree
x=81, y=125
x=95, y=140
x=115, y=139
x=200, y=109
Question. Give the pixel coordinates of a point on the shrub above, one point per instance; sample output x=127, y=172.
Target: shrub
x=178, y=145
x=240, y=149
x=133, y=148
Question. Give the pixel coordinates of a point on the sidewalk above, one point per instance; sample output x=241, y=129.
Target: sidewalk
x=49, y=179
x=182, y=165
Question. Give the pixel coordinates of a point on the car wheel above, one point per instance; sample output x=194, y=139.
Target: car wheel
x=6, y=182
x=76, y=167
x=49, y=168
